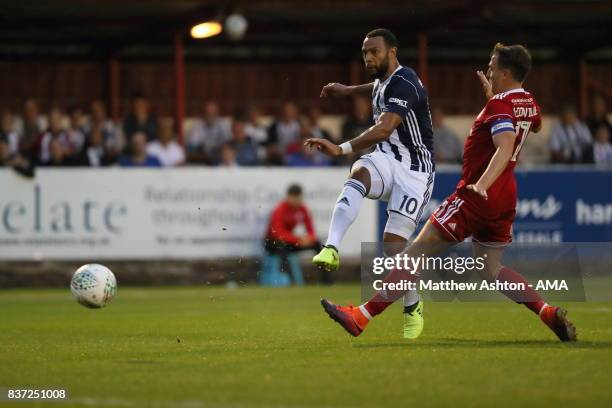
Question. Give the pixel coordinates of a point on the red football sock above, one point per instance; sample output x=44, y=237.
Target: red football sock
x=383, y=299
x=528, y=296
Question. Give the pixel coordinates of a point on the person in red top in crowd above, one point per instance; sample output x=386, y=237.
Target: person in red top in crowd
x=483, y=205
x=286, y=216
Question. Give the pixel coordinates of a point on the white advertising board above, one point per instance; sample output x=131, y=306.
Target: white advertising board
x=187, y=213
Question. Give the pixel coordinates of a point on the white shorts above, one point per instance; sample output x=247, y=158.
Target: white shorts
x=407, y=191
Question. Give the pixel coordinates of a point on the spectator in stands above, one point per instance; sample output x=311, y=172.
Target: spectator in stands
x=256, y=131
x=33, y=126
x=298, y=155
x=208, y=135
x=77, y=130
x=599, y=115
x=314, y=115
x=283, y=132
x=228, y=155
x=9, y=133
x=253, y=127
x=94, y=153
x=13, y=159
x=280, y=238
x=447, y=146
x=601, y=151
x=138, y=156
x=111, y=134
x=166, y=149
x=246, y=150
x=305, y=157
x=6, y=156
x=58, y=132
x=140, y=119
x=360, y=120
x=569, y=138
x=58, y=155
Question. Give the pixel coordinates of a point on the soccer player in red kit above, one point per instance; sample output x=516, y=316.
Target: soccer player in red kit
x=483, y=205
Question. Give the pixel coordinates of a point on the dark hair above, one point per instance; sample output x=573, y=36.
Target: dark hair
x=294, y=190
x=387, y=35
x=516, y=58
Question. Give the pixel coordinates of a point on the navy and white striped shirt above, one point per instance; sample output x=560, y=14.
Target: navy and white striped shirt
x=412, y=141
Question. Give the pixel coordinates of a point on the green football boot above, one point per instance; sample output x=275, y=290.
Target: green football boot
x=413, y=320
x=328, y=258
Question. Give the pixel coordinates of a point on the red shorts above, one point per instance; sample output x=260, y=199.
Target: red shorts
x=457, y=219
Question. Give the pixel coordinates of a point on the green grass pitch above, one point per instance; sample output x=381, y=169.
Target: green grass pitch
x=214, y=347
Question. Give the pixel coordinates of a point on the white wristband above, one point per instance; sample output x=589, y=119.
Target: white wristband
x=346, y=148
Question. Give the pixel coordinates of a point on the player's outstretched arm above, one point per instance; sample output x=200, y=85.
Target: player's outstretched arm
x=387, y=122
x=504, y=142
x=335, y=89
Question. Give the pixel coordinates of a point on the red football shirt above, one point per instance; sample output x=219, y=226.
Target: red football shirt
x=285, y=218
x=515, y=110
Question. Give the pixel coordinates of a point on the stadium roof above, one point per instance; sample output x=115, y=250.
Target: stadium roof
x=557, y=29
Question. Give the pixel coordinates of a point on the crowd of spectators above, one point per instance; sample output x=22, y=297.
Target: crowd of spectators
x=575, y=141
x=88, y=137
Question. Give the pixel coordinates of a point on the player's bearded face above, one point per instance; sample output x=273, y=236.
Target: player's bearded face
x=383, y=67
x=379, y=67
x=376, y=56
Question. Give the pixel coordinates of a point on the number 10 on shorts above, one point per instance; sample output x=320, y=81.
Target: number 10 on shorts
x=409, y=205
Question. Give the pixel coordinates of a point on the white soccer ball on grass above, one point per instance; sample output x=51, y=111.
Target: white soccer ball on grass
x=93, y=285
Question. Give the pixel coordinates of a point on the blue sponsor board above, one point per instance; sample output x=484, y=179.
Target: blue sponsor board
x=554, y=205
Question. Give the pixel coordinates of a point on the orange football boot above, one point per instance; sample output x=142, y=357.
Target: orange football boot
x=349, y=317
x=556, y=319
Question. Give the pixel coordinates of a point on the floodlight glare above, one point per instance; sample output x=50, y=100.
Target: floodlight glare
x=205, y=30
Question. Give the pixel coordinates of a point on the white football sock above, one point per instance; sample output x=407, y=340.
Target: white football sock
x=345, y=212
x=411, y=297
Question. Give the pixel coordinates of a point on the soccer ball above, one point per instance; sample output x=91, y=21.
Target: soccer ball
x=93, y=285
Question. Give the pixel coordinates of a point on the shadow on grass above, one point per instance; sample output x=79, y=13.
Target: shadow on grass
x=476, y=343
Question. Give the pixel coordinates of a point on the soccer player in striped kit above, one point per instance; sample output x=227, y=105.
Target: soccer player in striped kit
x=401, y=168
